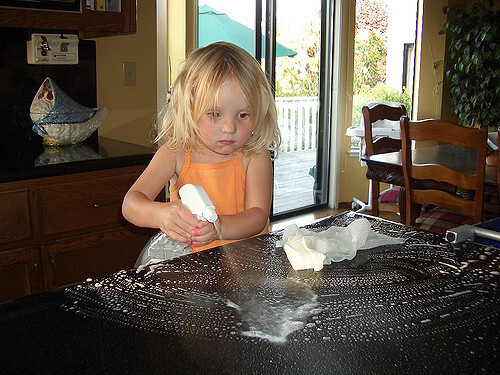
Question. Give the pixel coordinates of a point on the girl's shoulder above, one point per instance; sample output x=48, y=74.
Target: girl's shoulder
x=258, y=157
x=168, y=154
x=167, y=151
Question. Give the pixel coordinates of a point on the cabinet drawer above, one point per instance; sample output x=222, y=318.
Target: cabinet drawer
x=83, y=204
x=15, y=216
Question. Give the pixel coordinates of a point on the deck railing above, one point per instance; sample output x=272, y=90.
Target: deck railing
x=297, y=120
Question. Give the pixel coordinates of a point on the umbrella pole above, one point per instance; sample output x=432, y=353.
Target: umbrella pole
x=270, y=61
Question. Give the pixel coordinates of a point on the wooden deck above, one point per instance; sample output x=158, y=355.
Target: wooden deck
x=293, y=185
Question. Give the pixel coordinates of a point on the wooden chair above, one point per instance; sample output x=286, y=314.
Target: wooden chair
x=388, y=200
x=498, y=164
x=457, y=196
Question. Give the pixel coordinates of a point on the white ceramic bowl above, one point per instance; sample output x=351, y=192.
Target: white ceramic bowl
x=64, y=134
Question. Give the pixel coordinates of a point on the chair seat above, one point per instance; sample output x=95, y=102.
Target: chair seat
x=439, y=220
x=390, y=195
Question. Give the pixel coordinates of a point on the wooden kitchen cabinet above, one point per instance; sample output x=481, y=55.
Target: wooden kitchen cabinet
x=70, y=261
x=88, y=23
x=20, y=273
x=64, y=229
x=15, y=223
x=82, y=204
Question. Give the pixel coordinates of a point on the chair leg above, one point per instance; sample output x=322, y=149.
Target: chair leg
x=413, y=211
x=402, y=206
x=375, y=193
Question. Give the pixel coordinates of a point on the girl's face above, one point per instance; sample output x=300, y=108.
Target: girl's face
x=229, y=127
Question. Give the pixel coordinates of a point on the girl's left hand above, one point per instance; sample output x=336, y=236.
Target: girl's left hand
x=205, y=233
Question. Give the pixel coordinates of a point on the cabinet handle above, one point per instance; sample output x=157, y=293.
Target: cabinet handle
x=36, y=272
x=53, y=264
x=96, y=205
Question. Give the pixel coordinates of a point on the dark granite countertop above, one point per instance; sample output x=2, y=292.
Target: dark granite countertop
x=30, y=160
x=425, y=306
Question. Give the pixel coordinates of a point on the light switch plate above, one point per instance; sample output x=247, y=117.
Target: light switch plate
x=129, y=70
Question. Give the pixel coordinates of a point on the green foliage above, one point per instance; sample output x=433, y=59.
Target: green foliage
x=381, y=92
x=299, y=75
x=369, y=61
x=474, y=69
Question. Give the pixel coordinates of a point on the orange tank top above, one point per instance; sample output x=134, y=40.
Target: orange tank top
x=224, y=183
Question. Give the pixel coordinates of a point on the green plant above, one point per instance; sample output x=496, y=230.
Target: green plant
x=299, y=75
x=369, y=61
x=380, y=93
x=473, y=70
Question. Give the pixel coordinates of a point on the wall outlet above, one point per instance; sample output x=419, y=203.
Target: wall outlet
x=129, y=73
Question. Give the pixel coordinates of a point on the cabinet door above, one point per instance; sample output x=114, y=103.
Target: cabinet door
x=83, y=204
x=89, y=23
x=15, y=216
x=20, y=273
x=95, y=255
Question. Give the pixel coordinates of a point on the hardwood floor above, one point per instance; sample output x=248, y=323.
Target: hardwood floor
x=308, y=218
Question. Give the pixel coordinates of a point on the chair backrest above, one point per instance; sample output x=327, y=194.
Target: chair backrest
x=445, y=180
x=498, y=166
x=371, y=114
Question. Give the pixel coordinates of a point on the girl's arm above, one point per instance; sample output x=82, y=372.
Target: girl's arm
x=258, y=190
x=139, y=205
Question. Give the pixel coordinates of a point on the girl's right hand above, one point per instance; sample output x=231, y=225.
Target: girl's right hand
x=177, y=222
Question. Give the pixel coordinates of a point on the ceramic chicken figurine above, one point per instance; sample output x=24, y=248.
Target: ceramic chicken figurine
x=59, y=119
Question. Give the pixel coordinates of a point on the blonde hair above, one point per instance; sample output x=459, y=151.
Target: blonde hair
x=196, y=90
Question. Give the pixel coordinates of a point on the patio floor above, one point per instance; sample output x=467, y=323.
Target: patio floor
x=293, y=185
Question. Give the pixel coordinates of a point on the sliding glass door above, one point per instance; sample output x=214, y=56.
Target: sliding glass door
x=294, y=49
x=302, y=161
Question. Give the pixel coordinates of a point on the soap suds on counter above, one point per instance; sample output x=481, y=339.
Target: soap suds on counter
x=411, y=291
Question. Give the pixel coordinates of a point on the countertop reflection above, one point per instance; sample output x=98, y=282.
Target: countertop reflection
x=31, y=160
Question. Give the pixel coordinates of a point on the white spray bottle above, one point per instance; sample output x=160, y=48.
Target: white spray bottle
x=196, y=200
x=161, y=247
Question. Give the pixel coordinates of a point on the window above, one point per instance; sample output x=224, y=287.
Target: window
x=383, y=56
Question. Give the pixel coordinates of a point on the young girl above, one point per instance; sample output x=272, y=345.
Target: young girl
x=219, y=128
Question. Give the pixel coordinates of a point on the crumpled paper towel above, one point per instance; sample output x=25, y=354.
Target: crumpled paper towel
x=306, y=249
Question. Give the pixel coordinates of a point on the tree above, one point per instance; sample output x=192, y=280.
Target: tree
x=372, y=16
x=299, y=75
x=370, y=53
x=370, y=60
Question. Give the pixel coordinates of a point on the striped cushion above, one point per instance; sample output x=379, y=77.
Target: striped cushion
x=390, y=195
x=491, y=205
x=439, y=220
